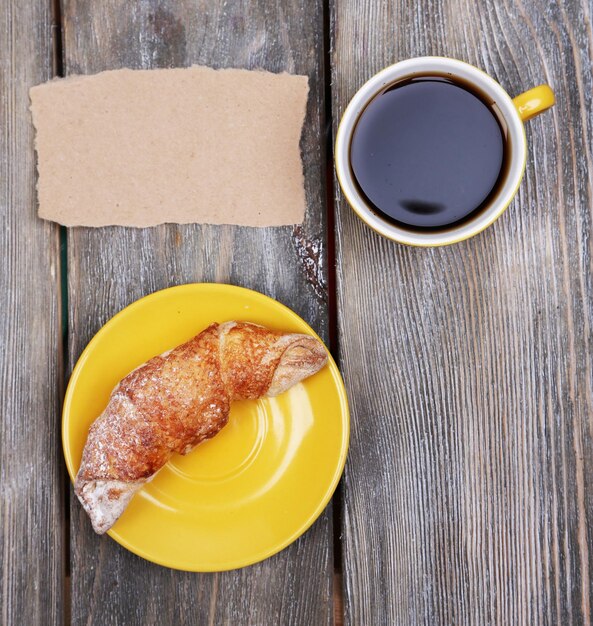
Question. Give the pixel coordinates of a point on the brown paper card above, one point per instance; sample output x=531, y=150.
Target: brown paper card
x=145, y=147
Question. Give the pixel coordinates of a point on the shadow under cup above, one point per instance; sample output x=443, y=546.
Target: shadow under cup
x=491, y=172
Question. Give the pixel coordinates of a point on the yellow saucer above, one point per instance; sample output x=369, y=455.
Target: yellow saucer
x=255, y=487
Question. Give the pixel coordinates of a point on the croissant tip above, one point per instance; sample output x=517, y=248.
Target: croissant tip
x=105, y=500
x=304, y=356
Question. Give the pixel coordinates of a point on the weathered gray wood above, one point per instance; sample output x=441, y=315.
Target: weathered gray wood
x=109, y=268
x=468, y=496
x=32, y=478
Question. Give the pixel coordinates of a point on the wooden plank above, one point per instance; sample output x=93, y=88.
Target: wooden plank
x=111, y=267
x=467, y=496
x=31, y=498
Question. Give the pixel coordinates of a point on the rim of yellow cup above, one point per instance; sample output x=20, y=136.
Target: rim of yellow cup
x=513, y=112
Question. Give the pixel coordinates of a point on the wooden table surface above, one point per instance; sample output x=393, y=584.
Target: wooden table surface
x=467, y=496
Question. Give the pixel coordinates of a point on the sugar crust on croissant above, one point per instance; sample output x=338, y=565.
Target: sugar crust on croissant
x=176, y=400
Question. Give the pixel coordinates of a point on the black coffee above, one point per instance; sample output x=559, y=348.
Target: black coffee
x=428, y=152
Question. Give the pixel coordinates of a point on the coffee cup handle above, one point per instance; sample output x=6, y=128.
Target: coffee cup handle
x=534, y=101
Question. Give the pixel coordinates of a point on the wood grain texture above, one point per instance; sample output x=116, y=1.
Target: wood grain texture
x=468, y=496
x=31, y=496
x=110, y=267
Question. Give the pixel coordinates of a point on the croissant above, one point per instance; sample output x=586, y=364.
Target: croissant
x=176, y=400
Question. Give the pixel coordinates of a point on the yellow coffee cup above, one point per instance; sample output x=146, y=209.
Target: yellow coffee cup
x=512, y=111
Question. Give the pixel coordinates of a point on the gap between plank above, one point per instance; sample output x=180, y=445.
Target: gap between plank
x=58, y=71
x=337, y=586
